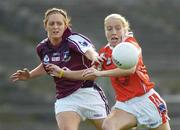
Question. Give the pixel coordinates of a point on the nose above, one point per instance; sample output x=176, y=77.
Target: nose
x=114, y=31
x=55, y=25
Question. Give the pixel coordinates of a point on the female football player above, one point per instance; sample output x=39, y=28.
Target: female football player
x=78, y=98
x=137, y=103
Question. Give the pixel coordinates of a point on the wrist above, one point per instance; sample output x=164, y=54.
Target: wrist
x=61, y=73
x=102, y=73
x=28, y=74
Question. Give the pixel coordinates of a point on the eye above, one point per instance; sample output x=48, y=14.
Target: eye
x=118, y=28
x=109, y=28
x=51, y=23
x=59, y=23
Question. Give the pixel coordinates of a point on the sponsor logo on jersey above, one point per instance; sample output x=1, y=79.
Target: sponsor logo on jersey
x=84, y=43
x=56, y=57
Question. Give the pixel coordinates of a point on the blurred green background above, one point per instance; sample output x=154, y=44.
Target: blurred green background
x=30, y=105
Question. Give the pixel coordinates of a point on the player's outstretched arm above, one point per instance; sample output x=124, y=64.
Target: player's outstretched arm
x=25, y=74
x=106, y=73
x=56, y=71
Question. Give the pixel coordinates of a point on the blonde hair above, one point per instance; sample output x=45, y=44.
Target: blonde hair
x=57, y=11
x=124, y=23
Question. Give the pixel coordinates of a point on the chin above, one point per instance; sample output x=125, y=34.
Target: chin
x=56, y=37
x=114, y=43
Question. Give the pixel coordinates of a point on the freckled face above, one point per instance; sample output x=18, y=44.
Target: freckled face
x=113, y=31
x=55, y=26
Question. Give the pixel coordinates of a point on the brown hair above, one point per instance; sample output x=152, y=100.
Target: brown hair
x=54, y=11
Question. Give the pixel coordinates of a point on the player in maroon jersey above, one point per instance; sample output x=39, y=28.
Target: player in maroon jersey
x=78, y=97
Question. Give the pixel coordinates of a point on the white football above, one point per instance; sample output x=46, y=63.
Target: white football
x=125, y=55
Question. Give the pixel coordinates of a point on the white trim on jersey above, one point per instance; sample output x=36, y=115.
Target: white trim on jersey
x=109, y=45
x=83, y=61
x=80, y=42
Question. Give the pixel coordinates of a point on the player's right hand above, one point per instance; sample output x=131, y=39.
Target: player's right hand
x=91, y=72
x=20, y=75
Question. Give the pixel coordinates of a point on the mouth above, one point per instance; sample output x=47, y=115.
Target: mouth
x=114, y=39
x=56, y=32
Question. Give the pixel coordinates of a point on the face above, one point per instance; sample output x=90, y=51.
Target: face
x=113, y=31
x=55, y=27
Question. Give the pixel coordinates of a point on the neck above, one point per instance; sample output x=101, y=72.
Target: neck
x=55, y=41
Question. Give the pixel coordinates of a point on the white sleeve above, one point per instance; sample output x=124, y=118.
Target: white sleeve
x=81, y=43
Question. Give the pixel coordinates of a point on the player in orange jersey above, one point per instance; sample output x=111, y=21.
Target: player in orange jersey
x=137, y=103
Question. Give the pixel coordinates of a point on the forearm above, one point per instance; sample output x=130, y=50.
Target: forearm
x=38, y=71
x=117, y=72
x=91, y=54
x=77, y=75
x=56, y=71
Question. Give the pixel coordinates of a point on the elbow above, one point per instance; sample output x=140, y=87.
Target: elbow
x=88, y=54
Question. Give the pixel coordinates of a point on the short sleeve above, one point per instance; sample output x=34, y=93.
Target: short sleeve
x=80, y=43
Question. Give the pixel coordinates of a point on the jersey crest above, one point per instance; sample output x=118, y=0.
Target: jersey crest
x=66, y=56
x=109, y=61
x=46, y=59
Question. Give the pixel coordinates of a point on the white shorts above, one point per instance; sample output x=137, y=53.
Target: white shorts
x=150, y=109
x=87, y=102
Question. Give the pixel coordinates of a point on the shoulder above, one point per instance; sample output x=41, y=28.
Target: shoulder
x=43, y=42
x=41, y=45
x=130, y=38
x=133, y=41
x=77, y=38
x=105, y=48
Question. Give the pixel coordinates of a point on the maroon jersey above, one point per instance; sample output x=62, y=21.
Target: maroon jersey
x=70, y=54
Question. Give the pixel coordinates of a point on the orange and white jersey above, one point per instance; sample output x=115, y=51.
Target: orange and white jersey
x=127, y=87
